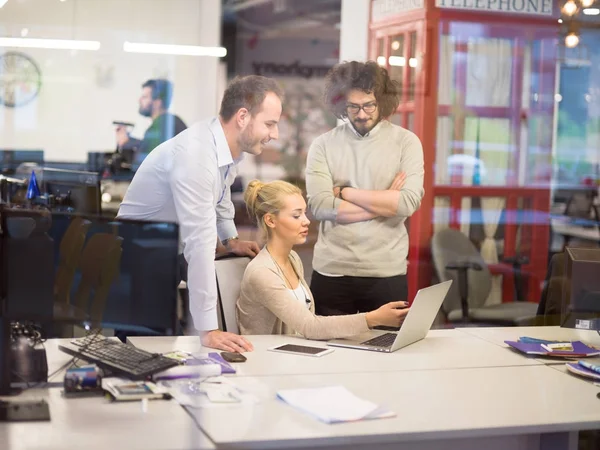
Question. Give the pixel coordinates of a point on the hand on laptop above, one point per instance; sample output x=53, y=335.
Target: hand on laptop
x=223, y=340
x=391, y=314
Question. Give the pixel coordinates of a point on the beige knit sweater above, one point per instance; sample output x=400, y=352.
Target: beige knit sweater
x=267, y=306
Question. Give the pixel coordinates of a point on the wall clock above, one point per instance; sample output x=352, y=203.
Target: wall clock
x=20, y=79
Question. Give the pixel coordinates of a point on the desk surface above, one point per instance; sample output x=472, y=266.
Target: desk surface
x=429, y=405
x=562, y=226
x=442, y=349
x=96, y=423
x=498, y=335
x=453, y=384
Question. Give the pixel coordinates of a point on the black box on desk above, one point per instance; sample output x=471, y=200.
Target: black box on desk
x=581, y=291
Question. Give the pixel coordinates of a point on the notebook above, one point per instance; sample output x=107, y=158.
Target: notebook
x=579, y=369
x=580, y=350
x=212, y=358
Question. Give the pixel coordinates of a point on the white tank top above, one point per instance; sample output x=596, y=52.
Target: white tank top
x=301, y=295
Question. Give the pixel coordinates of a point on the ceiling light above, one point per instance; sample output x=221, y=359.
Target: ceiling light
x=591, y=11
x=381, y=61
x=412, y=62
x=61, y=44
x=2, y=3
x=24, y=32
x=395, y=45
x=165, y=49
x=560, y=21
x=570, y=8
x=571, y=40
x=587, y=3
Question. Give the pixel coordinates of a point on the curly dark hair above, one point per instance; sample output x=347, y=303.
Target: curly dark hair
x=247, y=92
x=367, y=77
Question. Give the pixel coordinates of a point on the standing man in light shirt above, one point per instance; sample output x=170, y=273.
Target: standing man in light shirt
x=364, y=178
x=187, y=180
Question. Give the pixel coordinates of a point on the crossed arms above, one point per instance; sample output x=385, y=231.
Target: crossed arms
x=401, y=199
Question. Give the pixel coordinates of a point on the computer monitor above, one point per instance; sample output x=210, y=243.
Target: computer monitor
x=98, y=161
x=59, y=268
x=10, y=160
x=581, y=289
x=74, y=190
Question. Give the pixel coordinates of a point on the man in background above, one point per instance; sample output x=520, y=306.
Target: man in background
x=154, y=103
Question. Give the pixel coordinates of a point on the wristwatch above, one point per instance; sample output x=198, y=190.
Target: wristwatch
x=227, y=241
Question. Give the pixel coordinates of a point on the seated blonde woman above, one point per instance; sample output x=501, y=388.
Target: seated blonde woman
x=274, y=297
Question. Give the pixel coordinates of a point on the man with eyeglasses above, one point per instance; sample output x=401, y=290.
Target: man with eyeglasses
x=363, y=179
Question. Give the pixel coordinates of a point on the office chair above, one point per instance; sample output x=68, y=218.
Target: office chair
x=582, y=209
x=99, y=265
x=550, y=306
x=456, y=258
x=70, y=249
x=230, y=271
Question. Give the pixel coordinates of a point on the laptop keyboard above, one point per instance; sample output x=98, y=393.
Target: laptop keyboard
x=385, y=340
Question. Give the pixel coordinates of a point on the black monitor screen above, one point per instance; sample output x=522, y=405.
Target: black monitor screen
x=79, y=190
x=581, y=289
x=98, y=161
x=10, y=160
x=117, y=274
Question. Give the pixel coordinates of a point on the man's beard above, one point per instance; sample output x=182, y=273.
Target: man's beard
x=146, y=112
x=247, y=141
x=361, y=127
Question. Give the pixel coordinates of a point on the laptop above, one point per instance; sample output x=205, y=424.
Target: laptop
x=417, y=323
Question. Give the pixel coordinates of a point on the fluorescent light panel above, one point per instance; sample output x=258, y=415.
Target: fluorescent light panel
x=166, y=49
x=591, y=11
x=61, y=44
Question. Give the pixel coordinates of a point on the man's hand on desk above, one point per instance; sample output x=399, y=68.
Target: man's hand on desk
x=243, y=248
x=223, y=340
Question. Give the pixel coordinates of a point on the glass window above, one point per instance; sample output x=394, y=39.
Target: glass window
x=412, y=65
x=397, y=60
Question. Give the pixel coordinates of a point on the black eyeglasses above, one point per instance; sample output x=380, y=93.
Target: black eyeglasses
x=368, y=108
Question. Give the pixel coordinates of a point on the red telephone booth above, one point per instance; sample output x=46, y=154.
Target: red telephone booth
x=478, y=79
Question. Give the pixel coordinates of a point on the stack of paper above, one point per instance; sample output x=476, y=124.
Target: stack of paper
x=333, y=404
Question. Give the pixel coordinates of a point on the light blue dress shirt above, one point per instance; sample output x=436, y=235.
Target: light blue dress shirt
x=187, y=180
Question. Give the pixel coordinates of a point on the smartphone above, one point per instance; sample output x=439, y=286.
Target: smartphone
x=233, y=357
x=301, y=350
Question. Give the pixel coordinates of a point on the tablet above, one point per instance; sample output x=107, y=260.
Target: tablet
x=301, y=350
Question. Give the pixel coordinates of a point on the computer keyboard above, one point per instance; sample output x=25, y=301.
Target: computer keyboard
x=385, y=340
x=124, y=359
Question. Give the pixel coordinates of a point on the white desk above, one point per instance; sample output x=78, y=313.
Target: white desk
x=95, y=423
x=563, y=227
x=454, y=390
x=497, y=336
x=500, y=408
x=442, y=349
